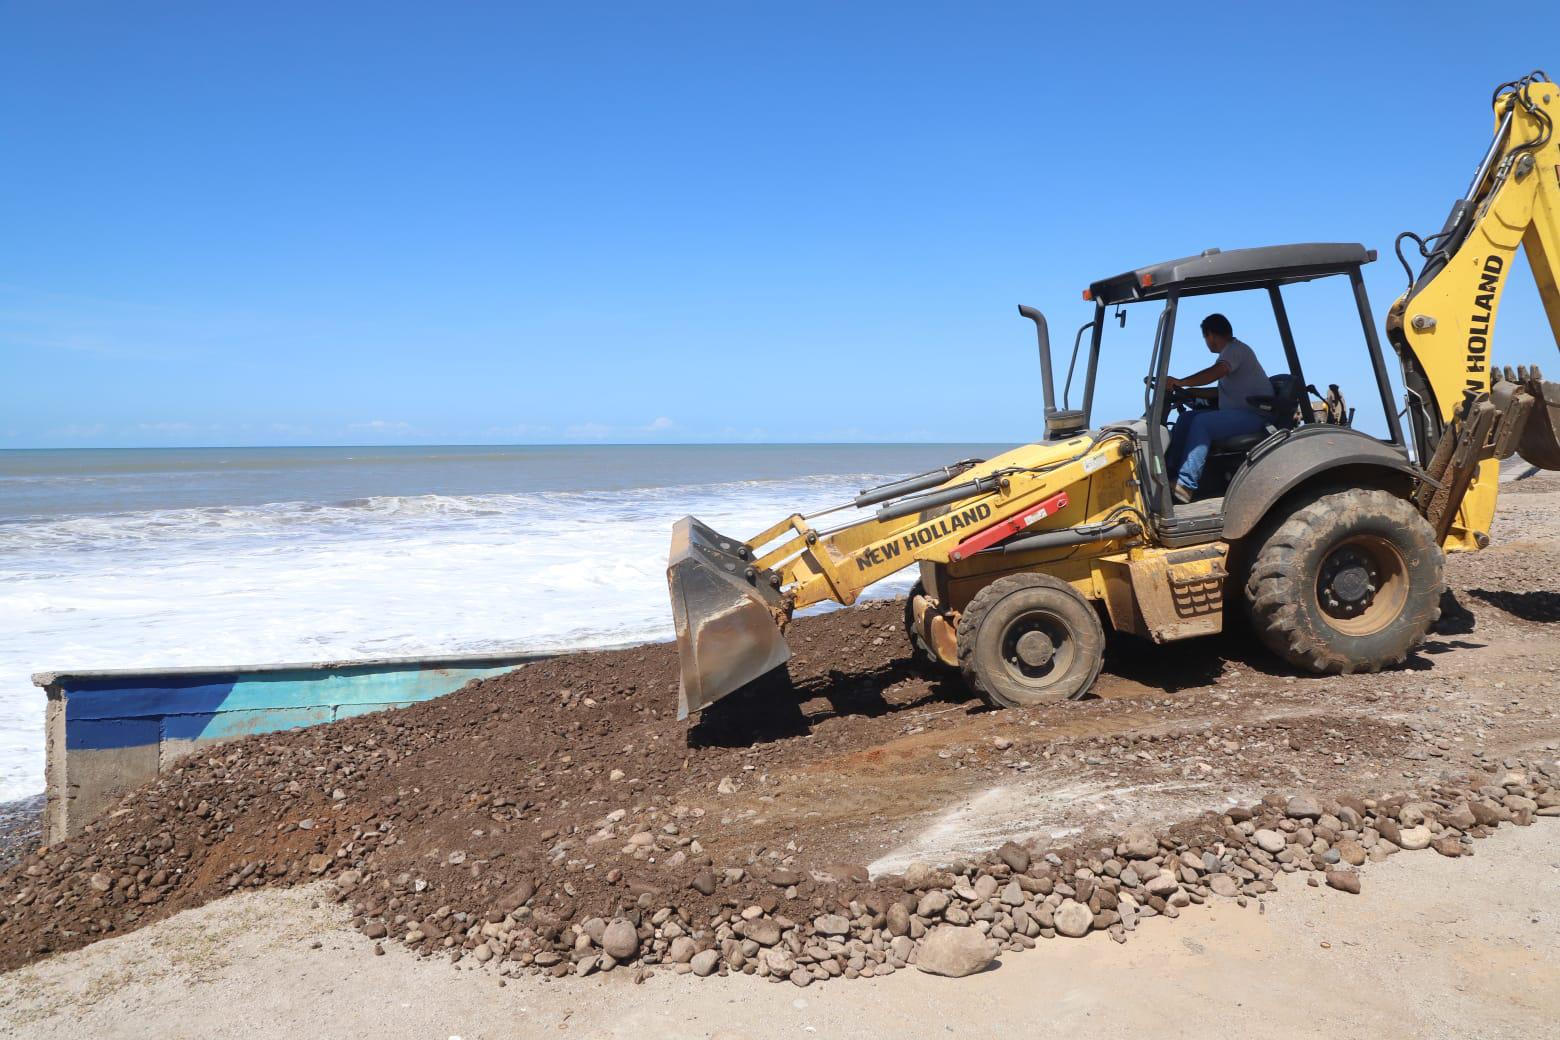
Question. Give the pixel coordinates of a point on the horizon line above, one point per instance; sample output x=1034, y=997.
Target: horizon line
x=522, y=444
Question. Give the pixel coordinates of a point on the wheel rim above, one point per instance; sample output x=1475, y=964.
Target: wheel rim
x=1038, y=649
x=1362, y=584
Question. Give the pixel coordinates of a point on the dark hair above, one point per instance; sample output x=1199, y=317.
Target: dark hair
x=1217, y=324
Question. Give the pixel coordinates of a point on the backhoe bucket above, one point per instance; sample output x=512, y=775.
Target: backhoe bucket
x=726, y=612
x=1539, y=443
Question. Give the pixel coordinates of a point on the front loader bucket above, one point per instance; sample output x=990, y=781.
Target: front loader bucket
x=726, y=612
x=1539, y=443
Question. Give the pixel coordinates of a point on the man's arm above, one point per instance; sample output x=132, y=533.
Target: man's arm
x=1212, y=374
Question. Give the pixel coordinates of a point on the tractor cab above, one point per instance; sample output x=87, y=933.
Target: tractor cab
x=1288, y=413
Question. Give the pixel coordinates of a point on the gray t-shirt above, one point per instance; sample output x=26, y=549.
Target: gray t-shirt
x=1245, y=377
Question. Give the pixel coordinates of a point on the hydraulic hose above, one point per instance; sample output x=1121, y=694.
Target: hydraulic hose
x=909, y=485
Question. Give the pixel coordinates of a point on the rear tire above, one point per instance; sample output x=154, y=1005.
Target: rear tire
x=1030, y=639
x=1350, y=582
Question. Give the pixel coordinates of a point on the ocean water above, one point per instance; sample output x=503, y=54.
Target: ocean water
x=181, y=557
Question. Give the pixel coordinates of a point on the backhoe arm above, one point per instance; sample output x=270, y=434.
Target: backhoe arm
x=1443, y=326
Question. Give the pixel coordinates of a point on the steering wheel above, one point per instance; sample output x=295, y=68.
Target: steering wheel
x=1182, y=398
x=1185, y=399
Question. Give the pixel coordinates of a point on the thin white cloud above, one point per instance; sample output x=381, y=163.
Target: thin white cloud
x=590, y=431
x=658, y=424
x=382, y=426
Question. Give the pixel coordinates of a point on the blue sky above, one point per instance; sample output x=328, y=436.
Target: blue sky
x=499, y=223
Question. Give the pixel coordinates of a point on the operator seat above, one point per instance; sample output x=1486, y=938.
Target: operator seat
x=1279, y=409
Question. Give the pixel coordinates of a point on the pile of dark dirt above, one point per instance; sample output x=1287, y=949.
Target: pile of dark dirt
x=570, y=777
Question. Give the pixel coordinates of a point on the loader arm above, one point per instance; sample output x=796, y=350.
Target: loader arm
x=732, y=599
x=1443, y=326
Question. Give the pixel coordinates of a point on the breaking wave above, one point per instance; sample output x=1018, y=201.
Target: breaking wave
x=363, y=577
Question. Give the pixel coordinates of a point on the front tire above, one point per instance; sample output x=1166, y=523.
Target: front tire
x=1351, y=582
x=1030, y=639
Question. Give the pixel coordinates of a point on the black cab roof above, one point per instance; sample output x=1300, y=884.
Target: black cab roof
x=1214, y=270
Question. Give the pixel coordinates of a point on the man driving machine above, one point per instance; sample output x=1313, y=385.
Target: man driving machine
x=1239, y=375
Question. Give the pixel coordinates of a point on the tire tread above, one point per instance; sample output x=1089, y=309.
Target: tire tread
x=1274, y=589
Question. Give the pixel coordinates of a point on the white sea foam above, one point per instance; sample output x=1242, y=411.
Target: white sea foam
x=383, y=576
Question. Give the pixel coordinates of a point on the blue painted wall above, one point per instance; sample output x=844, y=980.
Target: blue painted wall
x=133, y=709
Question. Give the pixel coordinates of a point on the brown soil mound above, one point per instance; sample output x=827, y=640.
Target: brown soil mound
x=570, y=776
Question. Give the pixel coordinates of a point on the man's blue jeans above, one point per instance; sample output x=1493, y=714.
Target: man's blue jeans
x=1195, y=431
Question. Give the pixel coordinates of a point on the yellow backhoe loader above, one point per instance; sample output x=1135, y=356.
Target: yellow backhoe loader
x=1330, y=538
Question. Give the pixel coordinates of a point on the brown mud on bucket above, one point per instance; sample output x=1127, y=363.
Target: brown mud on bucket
x=726, y=613
x=1539, y=443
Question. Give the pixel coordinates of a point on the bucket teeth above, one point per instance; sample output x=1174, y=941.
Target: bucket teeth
x=727, y=614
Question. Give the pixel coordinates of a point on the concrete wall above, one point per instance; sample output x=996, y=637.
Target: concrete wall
x=109, y=732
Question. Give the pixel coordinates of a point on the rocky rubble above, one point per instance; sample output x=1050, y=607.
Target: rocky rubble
x=954, y=921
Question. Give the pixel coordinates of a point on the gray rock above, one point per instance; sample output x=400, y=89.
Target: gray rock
x=1015, y=856
x=619, y=940
x=1073, y=919
x=1303, y=807
x=897, y=919
x=1414, y=838
x=932, y=904
x=919, y=876
x=831, y=924
x=1460, y=817
x=763, y=931
x=954, y=952
x=705, y=962
x=1140, y=843
x=1269, y=841
x=1223, y=885
x=780, y=961
x=681, y=950
x=1012, y=895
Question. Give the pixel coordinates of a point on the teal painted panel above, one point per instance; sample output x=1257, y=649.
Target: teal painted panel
x=251, y=692
x=347, y=711
x=229, y=725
